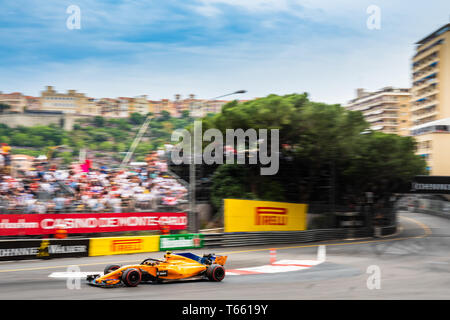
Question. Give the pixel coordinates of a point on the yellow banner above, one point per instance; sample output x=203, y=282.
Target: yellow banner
x=250, y=215
x=122, y=245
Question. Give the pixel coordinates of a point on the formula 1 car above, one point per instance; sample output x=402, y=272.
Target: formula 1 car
x=173, y=267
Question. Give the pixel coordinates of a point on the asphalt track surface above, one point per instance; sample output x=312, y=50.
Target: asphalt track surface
x=413, y=264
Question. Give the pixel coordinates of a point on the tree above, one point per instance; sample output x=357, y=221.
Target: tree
x=136, y=118
x=99, y=121
x=229, y=181
x=185, y=114
x=165, y=116
x=322, y=149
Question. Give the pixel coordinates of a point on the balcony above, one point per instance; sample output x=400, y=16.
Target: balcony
x=425, y=78
x=424, y=102
x=424, y=115
x=431, y=90
x=419, y=85
x=426, y=62
x=433, y=68
x=435, y=45
x=432, y=104
x=424, y=120
x=380, y=100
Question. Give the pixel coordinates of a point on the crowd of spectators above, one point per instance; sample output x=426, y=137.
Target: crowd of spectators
x=48, y=189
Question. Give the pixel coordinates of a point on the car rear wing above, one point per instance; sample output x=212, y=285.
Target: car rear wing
x=221, y=260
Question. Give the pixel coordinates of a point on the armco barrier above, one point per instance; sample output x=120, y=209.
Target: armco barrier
x=277, y=237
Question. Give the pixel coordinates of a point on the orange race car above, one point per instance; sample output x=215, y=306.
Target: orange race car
x=173, y=267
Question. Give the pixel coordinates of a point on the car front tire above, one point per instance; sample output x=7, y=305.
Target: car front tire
x=131, y=277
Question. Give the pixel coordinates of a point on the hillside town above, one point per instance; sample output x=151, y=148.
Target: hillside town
x=77, y=103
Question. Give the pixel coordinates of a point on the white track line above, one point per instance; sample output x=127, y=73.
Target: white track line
x=276, y=267
x=72, y=275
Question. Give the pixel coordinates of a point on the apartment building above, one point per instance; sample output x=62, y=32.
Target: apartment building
x=125, y=106
x=387, y=110
x=109, y=107
x=157, y=106
x=430, y=100
x=431, y=78
x=32, y=103
x=140, y=105
x=90, y=107
x=213, y=106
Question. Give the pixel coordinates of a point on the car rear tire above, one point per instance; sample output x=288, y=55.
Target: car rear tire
x=215, y=272
x=111, y=267
x=131, y=277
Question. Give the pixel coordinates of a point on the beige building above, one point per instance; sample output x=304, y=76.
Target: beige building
x=15, y=100
x=433, y=144
x=430, y=104
x=387, y=110
x=73, y=102
x=70, y=102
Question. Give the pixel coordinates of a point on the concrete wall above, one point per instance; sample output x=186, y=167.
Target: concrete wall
x=30, y=119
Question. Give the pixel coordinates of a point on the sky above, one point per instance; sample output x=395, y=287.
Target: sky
x=213, y=47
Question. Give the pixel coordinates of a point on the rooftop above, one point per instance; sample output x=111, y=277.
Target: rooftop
x=361, y=94
x=434, y=34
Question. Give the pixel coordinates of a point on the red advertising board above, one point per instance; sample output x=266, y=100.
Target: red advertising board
x=36, y=224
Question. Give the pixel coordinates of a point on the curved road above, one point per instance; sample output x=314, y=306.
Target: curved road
x=413, y=264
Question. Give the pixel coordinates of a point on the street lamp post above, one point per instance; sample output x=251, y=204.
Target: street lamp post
x=193, y=224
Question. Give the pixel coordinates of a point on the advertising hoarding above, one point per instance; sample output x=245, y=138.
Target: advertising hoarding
x=251, y=215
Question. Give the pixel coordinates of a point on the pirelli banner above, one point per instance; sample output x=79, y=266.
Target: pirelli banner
x=43, y=249
x=123, y=245
x=251, y=216
x=78, y=223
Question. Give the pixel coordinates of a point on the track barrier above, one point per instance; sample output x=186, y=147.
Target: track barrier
x=43, y=249
x=240, y=239
x=64, y=248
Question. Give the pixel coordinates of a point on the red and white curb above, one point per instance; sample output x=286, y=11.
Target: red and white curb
x=281, y=265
